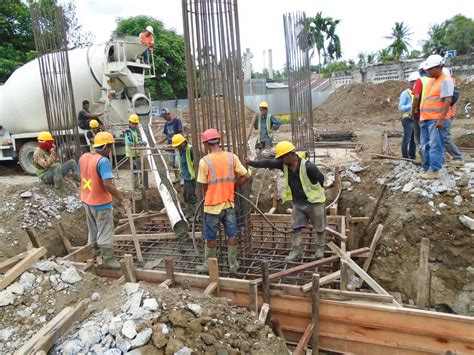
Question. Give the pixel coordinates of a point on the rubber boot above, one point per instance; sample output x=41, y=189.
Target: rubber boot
x=108, y=258
x=320, y=245
x=95, y=250
x=232, y=258
x=208, y=253
x=296, y=247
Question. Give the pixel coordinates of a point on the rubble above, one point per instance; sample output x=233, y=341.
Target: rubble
x=467, y=222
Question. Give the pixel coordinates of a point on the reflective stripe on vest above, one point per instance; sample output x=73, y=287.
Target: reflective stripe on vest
x=220, y=178
x=314, y=192
x=93, y=191
x=268, y=123
x=189, y=161
x=128, y=147
x=410, y=92
x=432, y=103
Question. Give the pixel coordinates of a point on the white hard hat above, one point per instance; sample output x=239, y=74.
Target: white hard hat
x=149, y=29
x=414, y=76
x=446, y=71
x=433, y=60
x=422, y=65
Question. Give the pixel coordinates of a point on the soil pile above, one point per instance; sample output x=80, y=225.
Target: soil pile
x=466, y=95
x=156, y=320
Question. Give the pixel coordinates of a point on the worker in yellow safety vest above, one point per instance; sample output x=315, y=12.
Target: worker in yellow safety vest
x=304, y=187
x=265, y=124
x=186, y=168
x=133, y=140
x=405, y=106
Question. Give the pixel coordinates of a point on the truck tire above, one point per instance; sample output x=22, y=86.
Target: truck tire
x=25, y=157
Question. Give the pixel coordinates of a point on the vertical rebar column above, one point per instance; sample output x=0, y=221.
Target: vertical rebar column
x=215, y=87
x=49, y=29
x=299, y=80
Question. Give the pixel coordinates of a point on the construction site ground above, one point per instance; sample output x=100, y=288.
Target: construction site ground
x=368, y=110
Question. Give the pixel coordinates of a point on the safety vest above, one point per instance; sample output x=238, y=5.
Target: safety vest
x=93, y=191
x=314, y=192
x=146, y=40
x=220, y=178
x=128, y=147
x=268, y=123
x=431, y=102
x=410, y=92
x=189, y=161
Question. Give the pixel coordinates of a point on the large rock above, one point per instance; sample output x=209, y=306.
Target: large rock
x=71, y=276
x=27, y=279
x=72, y=347
x=5, y=334
x=45, y=265
x=6, y=298
x=133, y=303
x=115, y=326
x=195, y=309
x=173, y=346
x=129, y=329
x=150, y=304
x=467, y=222
x=180, y=318
x=16, y=288
x=142, y=338
x=130, y=288
x=90, y=334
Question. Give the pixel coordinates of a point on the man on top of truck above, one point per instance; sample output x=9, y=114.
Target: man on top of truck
x=84, y=117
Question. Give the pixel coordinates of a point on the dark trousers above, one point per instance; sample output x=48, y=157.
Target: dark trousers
x=408, y=140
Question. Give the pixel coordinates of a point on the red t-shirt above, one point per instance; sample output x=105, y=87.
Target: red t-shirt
x=418, y=87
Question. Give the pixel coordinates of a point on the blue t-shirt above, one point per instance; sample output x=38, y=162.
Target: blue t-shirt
x=184, y=165
x=104, y=169
x=172, y=127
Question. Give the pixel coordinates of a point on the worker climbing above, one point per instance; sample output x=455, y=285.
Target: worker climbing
x=265, y=124
x=186, y=167
x=304, y=186
x=48, y=170
x=133, y=141
x=97, y=190
x=219, y=173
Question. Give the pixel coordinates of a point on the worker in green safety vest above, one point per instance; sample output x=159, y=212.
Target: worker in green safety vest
x=265, y=124
x=304, y=187
x=187, y=172
x=133, y=140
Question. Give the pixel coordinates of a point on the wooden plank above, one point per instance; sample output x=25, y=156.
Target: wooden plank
x=62, y=234
x=34, y=239
x=304, y=340
x=12, y=274
x=351, y=263
x=423, y=287
x=211, y=288
x=311, y=265
x=166, y=283
x=262, y=317
x=128, y=269
x=81, y=254
x=323, y=280
x=53, y=330
x=344, y=275
x=213, y=277
x=169, y=269
x=336, y=234
x=373, y=245
x=9, y=263
x=315, y=315
x=138, y=249
x=253, y=297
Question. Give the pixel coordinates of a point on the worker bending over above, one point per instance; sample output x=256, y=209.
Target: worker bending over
x=265, y=124
x=219, y=173
x=186, y=168
x=97, y=189
x=44, y=159
x=133, y=140
x=304, y=186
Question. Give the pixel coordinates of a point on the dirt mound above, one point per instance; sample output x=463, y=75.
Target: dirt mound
x=465, y=141
x=361, y=103
x=466, y=94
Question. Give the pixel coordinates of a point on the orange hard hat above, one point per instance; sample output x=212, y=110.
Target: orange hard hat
x=210, y=134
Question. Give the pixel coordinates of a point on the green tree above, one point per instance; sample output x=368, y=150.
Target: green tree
x=170, y=82
x=401, y=40
x=384, y=56
x=317, y=28
x=455, y=33
x=334, y=67
x=17, y=44
x=334, y=43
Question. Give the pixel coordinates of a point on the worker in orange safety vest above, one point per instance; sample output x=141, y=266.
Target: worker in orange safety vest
x=147, y=39
x=219, y=173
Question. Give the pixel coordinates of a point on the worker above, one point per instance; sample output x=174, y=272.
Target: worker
x=92, y=132
x=97, y=190
x=405, y=107
x=147, y=39
x=304, y=186
x=434, y=120
x=172, y=126
x=219, y=173
x=186, y=167
x=133, y=140
x=415, y=114
x=449, y=145
x=84, y=117
x=48, y=170
x=265, y=124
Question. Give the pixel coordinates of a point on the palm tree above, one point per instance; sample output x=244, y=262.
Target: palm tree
x=334, y=42
x=384, y=55
x=317, y=28
x=362, y=60
x=401, y=37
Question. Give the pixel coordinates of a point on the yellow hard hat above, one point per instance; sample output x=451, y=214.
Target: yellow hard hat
x=45, y=136
x=263, y=104
x=93, y=123
x=103, y=138
x=283, y=148
x=133, y=118
x=177, y=140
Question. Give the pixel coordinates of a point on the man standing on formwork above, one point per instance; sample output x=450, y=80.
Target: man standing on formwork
x=132, y=141
x=304, y=186
x=218, y=172
x=97, y=189
x=186, y=168
x=265, y=124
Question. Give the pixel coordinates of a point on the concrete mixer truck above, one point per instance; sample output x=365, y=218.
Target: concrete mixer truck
x=110, y=76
